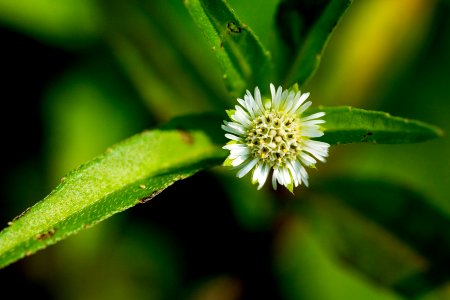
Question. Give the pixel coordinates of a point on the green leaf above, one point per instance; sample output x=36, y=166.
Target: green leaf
x=132, y=172
x=305, y=270
x=72, y=108
x=386, y=230
x=163, y=71
x=242, y=57
x=255, y=210
x=73, y=23
x=305, y=27
x=346, y=124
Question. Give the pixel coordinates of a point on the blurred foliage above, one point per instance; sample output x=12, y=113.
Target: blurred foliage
x=72, y=24
x=372, y=226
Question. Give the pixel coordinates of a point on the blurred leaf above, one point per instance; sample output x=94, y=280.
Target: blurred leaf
x=119, y=259
x=72, y=107
x=218, y=288
x=305, y=27
x=132, y=172
x=401, y=243
x=375, y=44
x=157, y=62
x=254, y=209
x=243, y=59
x=124, y=260
x=72, y=23
x=345, y=124
x=306, y=271
x=193, y=49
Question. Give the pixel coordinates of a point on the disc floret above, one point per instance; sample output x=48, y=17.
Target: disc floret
x=273, y=138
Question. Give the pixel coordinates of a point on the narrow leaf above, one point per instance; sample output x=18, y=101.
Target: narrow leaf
x=163, y=76
x=242, y=57
x=394, y=241
x=305, y=27
x=132, y=172
x=345, y=125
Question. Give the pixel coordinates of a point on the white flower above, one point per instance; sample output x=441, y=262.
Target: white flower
x=274, y=135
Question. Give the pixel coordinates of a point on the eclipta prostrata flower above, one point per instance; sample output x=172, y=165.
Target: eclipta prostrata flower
x=274, y=134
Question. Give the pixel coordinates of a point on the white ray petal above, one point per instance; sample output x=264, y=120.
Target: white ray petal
x=263, y=176
x=293, y=173
x=249, y=104
x=299, y=99
x=239, y=160
x=307, y=160
x=233, y=137
x=283, y=98
x=272, y=91
x=234, y=146
x=242, y=103
x=241, y=116
x=247, y=168
x=240, y=151
x=232, y=130
x=312, y=122
x=303, y=107
x=312, y=132
x=286, y=176
x=277, y=101
x=274, y=179
x=236, y=126
x=258, y=101
x=304, y=175
x=256, y=172
x=289, y=103
x=313, y=116
x=297, y=168
x=280, y=177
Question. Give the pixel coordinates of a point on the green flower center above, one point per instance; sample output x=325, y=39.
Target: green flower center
x=274, y=138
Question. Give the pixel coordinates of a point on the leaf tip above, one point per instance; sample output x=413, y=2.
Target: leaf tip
x=439, y=132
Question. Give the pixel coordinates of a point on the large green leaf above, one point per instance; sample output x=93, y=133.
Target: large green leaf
x=305, y=27
x=129, y=173
x=384, y=229
x=345, y=124
x=242, y=57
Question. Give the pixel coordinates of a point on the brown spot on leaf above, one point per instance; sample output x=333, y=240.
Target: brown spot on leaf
x=150, y=197
x=186, y=136
x=45, y=235
x=20, y=216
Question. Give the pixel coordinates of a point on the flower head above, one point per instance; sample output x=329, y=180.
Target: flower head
x=274, y=134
